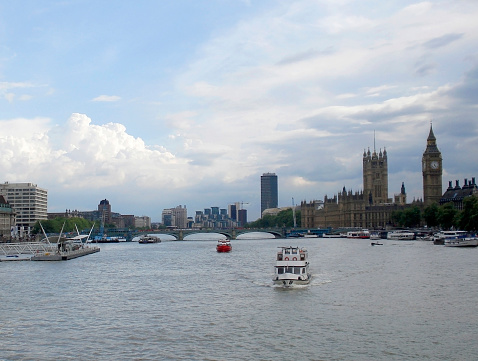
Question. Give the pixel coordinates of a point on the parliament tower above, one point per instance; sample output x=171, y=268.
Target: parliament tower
x=375, y=177
x=432, y=171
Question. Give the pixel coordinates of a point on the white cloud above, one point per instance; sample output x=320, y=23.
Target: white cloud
x=106, y=98
x=298, y=88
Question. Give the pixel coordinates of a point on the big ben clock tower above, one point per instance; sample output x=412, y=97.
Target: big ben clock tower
x=432, y=171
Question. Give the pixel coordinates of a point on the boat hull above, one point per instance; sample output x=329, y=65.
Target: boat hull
x=223, y=249
x=466, y=242
x=291, y=280
x=406, y=236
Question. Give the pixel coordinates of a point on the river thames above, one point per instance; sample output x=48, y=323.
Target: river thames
x=405, y=300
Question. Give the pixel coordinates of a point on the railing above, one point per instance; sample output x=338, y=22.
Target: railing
x=8, y=249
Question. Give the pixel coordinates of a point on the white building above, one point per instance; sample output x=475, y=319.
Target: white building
x=28, y=201
x=142, y=222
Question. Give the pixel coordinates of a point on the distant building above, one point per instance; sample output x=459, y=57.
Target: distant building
x=176, y=217
x=104, y=209
x=242, y=219
x=66, y=214
x=371, y=208
x=142, y=222
x=269, y=191
x=7, y=220
x=232, y=211
x=29, y=202
x=129, y=220
x=457, y=194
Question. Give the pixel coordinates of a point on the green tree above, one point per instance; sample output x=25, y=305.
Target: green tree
x=431, y=214
x=411, y=217
x=468, y=219
x=447, y=216
x=282, y=219
x=55, y=225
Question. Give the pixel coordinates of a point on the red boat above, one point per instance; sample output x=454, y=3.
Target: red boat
x=223, y=245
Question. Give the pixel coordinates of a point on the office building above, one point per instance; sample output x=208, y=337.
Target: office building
x=28, y=201
x=269, y=191
x=175, y=217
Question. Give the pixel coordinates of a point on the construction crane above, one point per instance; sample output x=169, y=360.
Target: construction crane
x=242, y=204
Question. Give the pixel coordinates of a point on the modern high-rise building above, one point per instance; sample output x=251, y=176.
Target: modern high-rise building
x=269, y=191
x=28, y=201
x=242, y=217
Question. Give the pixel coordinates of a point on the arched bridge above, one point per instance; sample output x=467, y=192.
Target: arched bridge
x=233, y=233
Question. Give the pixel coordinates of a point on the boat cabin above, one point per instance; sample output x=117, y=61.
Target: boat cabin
x=291, y=269
x=291, y=254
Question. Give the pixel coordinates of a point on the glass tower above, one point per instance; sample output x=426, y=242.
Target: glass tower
x=269, y=191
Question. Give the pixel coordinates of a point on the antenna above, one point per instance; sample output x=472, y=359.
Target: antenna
x=374, y=140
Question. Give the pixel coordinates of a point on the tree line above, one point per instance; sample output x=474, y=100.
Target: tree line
x=445, y=216
x=55, y=225
x=282, y=219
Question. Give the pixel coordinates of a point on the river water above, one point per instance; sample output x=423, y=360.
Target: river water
x=405, y=300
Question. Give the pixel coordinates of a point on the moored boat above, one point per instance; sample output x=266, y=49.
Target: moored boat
x=223, y=245
x=292, y=267
x=363, y=234
x=471, y=241
x=149, y=239
x=458, y=239
x=441, y=237
x=401, y=235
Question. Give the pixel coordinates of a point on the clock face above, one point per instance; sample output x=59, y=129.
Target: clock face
x=434, y=165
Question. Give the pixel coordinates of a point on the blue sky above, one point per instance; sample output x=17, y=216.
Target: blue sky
x=154, y=104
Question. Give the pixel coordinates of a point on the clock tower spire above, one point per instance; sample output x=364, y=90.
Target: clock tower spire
x=432, y=171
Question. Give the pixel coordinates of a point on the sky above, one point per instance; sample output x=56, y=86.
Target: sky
x=153, y=104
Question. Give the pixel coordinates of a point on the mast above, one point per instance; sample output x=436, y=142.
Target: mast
x=293, y=212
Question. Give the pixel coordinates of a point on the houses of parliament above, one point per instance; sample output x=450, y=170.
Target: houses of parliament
x=371, y=207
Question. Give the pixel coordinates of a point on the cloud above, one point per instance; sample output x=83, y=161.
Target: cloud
x=7, y=90
x=441, y=41
x=106, y=98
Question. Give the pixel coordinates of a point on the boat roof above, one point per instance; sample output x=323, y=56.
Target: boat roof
x=291, y=247
x=76, y=238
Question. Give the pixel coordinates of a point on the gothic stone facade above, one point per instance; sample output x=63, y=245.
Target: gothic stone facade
x=371, y=208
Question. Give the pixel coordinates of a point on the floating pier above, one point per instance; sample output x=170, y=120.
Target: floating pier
x=40, y=251
x=64, y=255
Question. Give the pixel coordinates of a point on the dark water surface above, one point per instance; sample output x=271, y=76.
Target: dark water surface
x=184, y=301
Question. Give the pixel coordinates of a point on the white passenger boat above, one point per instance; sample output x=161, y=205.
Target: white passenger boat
x=363, y=234
x=441, y=237
x=458, y=239
x=401, y=235
x=292, y=267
